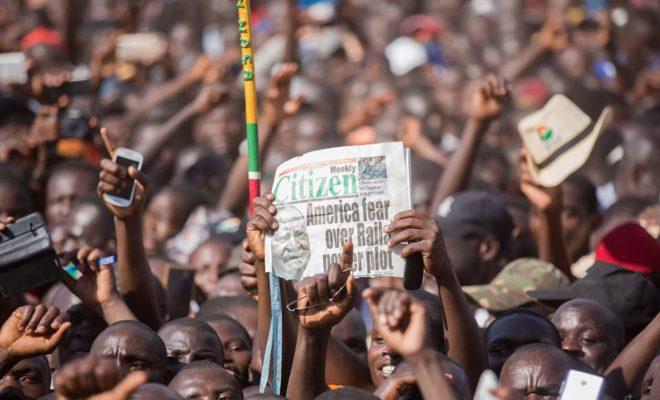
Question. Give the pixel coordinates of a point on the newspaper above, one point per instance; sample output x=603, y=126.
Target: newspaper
x=327, y=197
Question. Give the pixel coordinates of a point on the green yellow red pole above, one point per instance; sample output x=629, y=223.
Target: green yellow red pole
x=247, y=59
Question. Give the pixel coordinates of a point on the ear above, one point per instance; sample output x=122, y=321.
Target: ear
x=489, y=247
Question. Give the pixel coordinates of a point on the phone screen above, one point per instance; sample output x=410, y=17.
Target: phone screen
x=125, y=193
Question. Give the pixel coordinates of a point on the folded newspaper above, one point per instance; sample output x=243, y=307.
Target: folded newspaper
x=327, y=197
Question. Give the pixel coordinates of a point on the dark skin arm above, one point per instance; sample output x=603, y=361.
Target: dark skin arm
x=355, y=371
x=548, y=233
x=169, y=90
x=463, y=339
x=262, y=223
x=97, y=288
x=402, y=322
x=626, y=372
x=551, y=37
x=207, y=98
x=277, y=108
x=137, y=287
x=291, y=46
x=307, y=379
x=29, y=332
x=486, y=104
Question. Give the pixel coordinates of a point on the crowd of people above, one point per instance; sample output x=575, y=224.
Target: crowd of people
x=528, y=281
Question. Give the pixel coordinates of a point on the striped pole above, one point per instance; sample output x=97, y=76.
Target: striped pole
x=247, y=59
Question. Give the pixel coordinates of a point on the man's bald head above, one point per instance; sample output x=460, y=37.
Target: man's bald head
x=536, y=368
x=134, y=346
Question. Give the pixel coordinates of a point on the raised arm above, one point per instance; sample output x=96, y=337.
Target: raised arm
x=137, y=287
x=207, y=97
x=277, y=107
x=547, y=232
x=322, y=303
x=30, y=331
x=402, y=322
x=486, y=103
x=464, y=341
x=551, y=37
x=263, y=223
x=625, y=374
x=97, y=288
x=170, y=89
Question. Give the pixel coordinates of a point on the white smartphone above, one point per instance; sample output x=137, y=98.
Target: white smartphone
x=487, y=382
x=124, y=158
x=12, y=68
x=580, y=385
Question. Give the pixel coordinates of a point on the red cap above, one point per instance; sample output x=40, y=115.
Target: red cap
x=632, y=247
x=42, y=35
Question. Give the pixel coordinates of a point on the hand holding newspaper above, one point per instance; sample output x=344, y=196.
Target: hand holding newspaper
x=327, y=197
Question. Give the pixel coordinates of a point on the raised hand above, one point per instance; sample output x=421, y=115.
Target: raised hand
x=422, y=233
x=32, y=331
x=97, y=286
x=96, y=379
x=320, y=302
x=210, y=96
x=488, y=98
x=399, y=319
x=262, y=223
x=113, y=177
x=553, y=35
x=200, y=68
x=278, y=106
x=248, y=271
x=543, y=198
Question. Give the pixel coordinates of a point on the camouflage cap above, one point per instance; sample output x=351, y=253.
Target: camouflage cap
x=508, y=289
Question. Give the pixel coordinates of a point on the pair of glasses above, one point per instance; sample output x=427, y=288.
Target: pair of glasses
x=292, y=305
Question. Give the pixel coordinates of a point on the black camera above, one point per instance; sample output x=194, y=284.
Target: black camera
x=27, y=257
x=74, y=124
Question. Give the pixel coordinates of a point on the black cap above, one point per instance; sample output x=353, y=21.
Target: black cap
x=629, y=294
x=475, y=213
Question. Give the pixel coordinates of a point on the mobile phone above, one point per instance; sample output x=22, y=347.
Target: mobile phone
x=124, y=158
x=140, y=47
x=487, y=382
x=12, y=68
x=580, y=385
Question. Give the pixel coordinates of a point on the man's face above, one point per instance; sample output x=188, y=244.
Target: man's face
x=585, y=335
x=382, y=360
x=161, y=221
x=207, y=261
x=207, y=384
x=13, y=202
x=514, y=331
x=218, y=129
x=535, y=378
x=62, y=192
x=237, y=349
x=290, y=242
x=577, y=223
x=132, y=349
x=83, y=229
x=185, y=345
x=29, y=379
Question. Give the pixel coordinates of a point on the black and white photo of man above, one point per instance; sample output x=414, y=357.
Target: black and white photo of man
x=290, y=244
